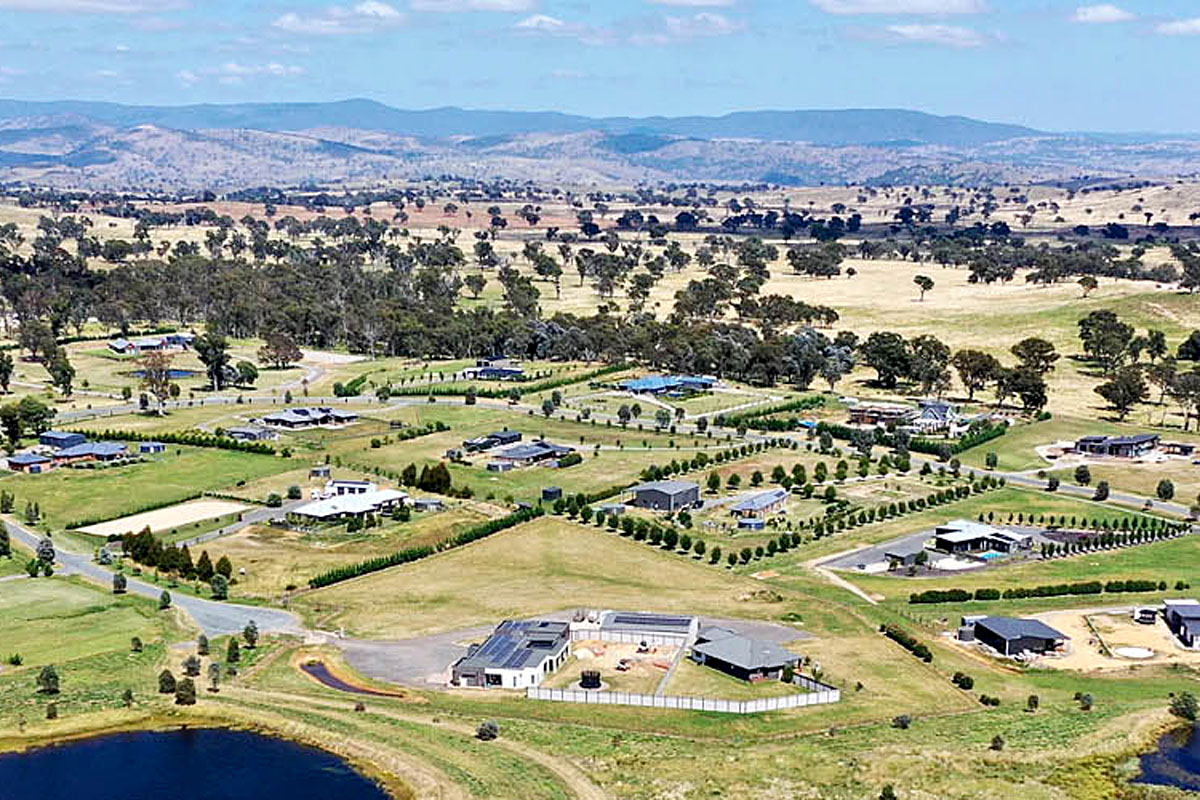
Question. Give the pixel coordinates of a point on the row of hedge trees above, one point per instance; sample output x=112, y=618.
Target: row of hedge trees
x=654, y=472
x=907, y=641
x=505, y=393
x=186, y=438
x=935, y=596
x=765, y=418
x=411, y=554
x=939, y=448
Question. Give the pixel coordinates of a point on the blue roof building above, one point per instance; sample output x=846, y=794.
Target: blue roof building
x=667, y=384
x=61, y=439
x=92, y=451
x=760, y=503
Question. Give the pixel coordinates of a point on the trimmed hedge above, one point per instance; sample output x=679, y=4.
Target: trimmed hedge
x=939, y=448
x=500, y=394
x=186, y=438
x=907, y=641
x=412, y=554
x=753, y=419
x=934, y=596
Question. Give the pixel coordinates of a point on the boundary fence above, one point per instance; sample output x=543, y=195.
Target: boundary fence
x=818, y=694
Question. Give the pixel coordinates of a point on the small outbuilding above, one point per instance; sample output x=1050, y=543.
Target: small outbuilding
x=152, y=448
x=1183, y=618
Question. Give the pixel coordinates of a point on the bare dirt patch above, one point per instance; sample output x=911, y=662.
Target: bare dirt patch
x=166, y=518
x=642, y=673
x=1115, y=630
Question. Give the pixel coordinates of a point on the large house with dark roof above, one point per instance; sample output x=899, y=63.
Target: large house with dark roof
x=517, y=655
x=30, y=463
x=296, y=418
x=1118, y=446
x=740, y=656
x=529, y=453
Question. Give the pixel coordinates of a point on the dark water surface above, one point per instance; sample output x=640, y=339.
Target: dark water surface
x=206, y=764
x=1176, y=762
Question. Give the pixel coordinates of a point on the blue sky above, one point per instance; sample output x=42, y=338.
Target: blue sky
x=1050, y=64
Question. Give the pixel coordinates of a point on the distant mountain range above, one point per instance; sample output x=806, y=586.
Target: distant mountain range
x=108, y=145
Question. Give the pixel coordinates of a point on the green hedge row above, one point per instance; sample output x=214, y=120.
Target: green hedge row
x=417, y=553
x=186, y=438
x=907, y=641
x=753, y=418
x=934, y=596
x=930, y=447
x=500, y=394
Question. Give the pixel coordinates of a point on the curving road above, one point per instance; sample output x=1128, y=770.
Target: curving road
x=215, y=618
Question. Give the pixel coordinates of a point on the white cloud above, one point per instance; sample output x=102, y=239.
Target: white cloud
x=455, y=6
x=92, y=6
x=705, y=23
x=543, y=23
x=1180, y=27
x=365, y=17
x=897, y=7
x=236, y=73
x=944, y=35
x=1102, y=14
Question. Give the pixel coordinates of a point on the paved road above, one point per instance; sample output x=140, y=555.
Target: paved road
x=213, y=617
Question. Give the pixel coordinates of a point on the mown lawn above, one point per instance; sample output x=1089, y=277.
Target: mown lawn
x=67, y=496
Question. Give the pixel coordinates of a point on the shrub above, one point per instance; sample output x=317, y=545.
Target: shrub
x=487, y=731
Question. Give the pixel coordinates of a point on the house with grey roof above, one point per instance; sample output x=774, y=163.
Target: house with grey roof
x=296, y=418
x=741, y=656
x=759, y=504
x=518, y=654
x=30, y=463
x=529, y=453
x=1117, y=446
x=668, y=496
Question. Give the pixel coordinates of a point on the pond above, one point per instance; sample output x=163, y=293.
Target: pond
x=216, y=764
x=1176, y=762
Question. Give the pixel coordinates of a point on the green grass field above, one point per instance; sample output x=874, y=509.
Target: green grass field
x=66, y=496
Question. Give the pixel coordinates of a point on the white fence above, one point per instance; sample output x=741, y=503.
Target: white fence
x=628, y=637
x=818, y=694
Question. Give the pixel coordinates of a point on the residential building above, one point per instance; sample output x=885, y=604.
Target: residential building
x=517, y=655
x=294, y=418
x=1118, y=446
x=740, y=656
x=873, y=414
x=495, y=369
x=964, y=536
x=935, y=416
x=1011, y=636
x=760, y=504
x=30, y=463
x=529, y=453
x=492, y=440
x=251, y=433
x=350, y=505
x=675, y=385
x=91, y=451
x=668, y=496
x=342, y=487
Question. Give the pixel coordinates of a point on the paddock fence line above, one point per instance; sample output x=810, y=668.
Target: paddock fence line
x=819, y=694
